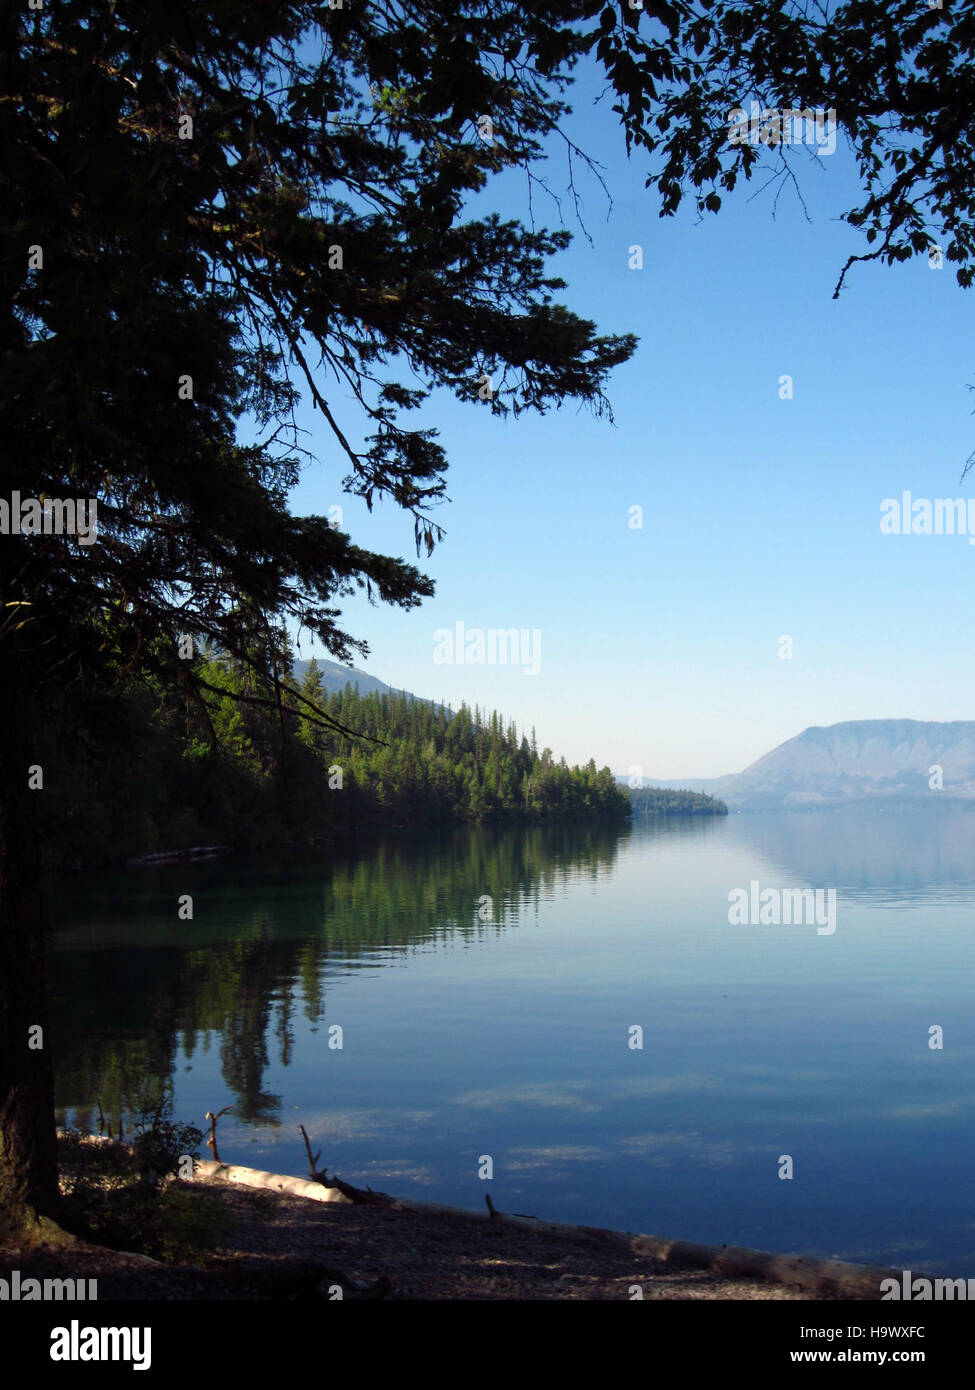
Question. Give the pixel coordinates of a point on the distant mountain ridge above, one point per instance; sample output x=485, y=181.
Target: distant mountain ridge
x=335, y=677
x=883, y=761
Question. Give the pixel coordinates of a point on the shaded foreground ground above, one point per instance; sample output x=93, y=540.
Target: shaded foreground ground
x=286, y=1247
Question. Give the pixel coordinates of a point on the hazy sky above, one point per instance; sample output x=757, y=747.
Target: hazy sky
x=659, y=647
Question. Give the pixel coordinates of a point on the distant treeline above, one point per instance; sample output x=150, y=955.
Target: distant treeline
x=149, y=769
x=663, y=801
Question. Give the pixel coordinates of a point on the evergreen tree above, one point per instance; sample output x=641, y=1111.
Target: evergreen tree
x=203, y=210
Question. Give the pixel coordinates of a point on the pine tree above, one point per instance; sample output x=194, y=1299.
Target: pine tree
x=210, y=214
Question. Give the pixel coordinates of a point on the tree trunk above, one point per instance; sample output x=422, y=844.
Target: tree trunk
x=28, y=1143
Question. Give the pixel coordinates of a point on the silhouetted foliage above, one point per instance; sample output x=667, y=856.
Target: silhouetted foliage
x=205, y=206
x=141, y=773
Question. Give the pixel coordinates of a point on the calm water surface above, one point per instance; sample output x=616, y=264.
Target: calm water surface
x=510, y=1037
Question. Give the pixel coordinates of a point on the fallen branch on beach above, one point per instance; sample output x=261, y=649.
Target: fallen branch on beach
x=212, y=1141
x=361, y=1197
x=316, y=1176
x=498, y=1215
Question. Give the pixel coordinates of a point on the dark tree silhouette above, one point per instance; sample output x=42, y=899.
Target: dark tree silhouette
x=899, y=76
x=209, y=208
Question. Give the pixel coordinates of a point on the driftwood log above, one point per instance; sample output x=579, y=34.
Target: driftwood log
x=322, y=1189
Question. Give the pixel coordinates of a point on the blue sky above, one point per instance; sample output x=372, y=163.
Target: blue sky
x=761, y=516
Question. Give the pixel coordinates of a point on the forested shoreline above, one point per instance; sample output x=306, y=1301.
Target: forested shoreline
x=665, y=801
x=138, y=771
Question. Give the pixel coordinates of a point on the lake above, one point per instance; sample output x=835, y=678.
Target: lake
x=489, y=986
